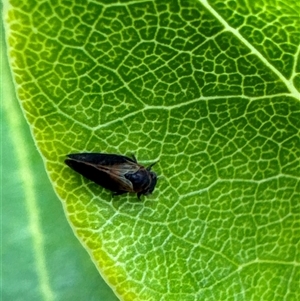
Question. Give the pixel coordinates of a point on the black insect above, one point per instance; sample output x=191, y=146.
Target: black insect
x=117, y=173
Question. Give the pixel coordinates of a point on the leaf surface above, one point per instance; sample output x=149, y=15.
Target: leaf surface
x=41, y=259
x=211, y=89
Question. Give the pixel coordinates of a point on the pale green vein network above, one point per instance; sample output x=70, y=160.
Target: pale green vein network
x=289, y=84
x=98, y=229
x=31, y=203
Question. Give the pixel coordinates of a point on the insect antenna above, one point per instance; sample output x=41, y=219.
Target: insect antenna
x=149, y=167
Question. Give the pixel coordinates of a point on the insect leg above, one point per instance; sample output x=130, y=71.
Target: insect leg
x=134, y=158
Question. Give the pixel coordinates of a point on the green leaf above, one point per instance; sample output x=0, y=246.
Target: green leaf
x=41, y=259
x=211, y=89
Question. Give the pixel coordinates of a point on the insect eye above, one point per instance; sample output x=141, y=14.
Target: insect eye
x=153, y=182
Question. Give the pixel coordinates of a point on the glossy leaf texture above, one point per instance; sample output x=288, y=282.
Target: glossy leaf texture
x=41, y=259
x=208, y=88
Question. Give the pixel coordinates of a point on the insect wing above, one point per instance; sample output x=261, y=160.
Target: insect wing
x=105, y=170
x=100, y=158
x=117, y=174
